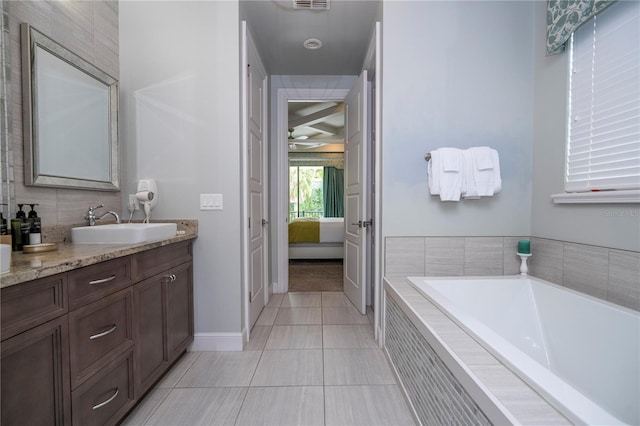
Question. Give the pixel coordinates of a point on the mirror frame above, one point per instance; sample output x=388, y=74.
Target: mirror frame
x=31, y=38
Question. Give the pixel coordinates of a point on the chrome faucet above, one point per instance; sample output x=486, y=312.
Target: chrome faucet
x=91, y=215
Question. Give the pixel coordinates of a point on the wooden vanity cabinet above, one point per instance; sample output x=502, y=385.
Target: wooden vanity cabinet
x=164, y=308
x=83, y=346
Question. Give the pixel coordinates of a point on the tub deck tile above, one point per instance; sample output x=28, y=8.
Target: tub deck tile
x=522, y=401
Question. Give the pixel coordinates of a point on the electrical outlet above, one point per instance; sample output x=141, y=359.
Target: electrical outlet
x=133, y=203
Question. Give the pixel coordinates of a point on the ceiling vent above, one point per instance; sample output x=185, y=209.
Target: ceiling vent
x=311, y=4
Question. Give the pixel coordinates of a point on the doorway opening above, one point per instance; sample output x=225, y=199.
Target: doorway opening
x=315, y=147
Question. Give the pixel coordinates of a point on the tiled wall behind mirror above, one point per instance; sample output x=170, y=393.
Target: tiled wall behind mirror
x=89, y=29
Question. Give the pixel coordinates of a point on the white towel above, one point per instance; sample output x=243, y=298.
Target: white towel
x=445, y=173
x=482, y=172
x=483, y=157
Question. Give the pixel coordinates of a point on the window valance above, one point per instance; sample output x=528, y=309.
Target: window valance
x=565, y=16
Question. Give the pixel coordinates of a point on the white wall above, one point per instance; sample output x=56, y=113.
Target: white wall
x=456, y=74
x=180, y=121
x=608, y=225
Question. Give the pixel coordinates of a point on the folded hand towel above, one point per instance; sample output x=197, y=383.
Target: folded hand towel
x=451, y=159
x=483, y=157
x=482, y=172
x=444, y=170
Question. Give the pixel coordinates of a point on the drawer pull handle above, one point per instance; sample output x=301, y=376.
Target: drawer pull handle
x=102, y=404
x=104, y=280
x=104, y=333
x=170, y=278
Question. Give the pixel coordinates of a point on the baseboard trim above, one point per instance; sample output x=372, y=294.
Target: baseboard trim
x=213, y=342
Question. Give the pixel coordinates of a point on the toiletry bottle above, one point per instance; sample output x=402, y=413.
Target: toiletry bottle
x=35, y=227
x=3, y=225
x=17, y=228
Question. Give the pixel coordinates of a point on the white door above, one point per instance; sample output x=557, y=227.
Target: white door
x=256, y=89
x=355, y=207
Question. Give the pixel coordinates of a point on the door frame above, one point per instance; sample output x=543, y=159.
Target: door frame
x=246, y=44
x=373, y=64
x=284, y=95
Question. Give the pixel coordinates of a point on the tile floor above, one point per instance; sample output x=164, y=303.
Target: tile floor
x=312, y=360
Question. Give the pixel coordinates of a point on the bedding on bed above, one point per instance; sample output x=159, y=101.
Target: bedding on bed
x=316, y=230
x=304, y=230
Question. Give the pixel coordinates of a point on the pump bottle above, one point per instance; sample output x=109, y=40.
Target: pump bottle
x=35, y=236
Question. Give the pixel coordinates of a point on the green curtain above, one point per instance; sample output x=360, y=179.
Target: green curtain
x=333, y=192
x=565, y=16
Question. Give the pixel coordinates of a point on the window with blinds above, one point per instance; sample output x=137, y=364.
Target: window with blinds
x=603, y=151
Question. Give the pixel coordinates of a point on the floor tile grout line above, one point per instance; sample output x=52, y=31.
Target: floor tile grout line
x=157, y=406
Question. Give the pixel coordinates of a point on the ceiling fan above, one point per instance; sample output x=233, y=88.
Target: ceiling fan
x=295, y=143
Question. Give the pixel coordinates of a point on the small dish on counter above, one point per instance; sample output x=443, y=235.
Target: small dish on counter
x=39, y=248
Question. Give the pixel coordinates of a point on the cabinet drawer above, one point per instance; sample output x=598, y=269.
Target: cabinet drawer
x=149, y=263
x=98, y=332
x=107, y=396
x=33, y=303
x=93, y=282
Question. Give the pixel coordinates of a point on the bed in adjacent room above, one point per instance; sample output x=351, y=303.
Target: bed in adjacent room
x=316, y=238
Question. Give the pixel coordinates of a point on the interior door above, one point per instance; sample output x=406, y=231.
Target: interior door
x=256, y=84
x=356, y=189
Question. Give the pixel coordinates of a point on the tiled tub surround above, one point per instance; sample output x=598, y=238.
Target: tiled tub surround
x=554, y=338
x=26, y=267
x=448, y=375
x=605, y=273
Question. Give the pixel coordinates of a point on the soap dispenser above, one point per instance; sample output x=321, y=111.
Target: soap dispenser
x=19, y=229
x=3, y=225
x=35, y=227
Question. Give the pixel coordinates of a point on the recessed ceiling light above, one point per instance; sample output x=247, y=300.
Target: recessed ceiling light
x=312, y=44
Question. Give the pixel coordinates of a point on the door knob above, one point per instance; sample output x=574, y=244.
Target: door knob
x=363, y=223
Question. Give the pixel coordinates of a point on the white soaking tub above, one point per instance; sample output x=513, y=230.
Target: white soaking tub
x=580, y=353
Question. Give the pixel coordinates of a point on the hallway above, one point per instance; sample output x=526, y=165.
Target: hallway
x=312, y=360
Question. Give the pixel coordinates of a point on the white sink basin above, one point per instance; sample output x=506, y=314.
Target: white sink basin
x=123, y=233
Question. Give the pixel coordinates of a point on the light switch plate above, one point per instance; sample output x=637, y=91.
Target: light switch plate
x=210, y=201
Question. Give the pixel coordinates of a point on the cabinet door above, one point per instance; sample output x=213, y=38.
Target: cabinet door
x=179, y=309
x=35, y=376
x=151, y=348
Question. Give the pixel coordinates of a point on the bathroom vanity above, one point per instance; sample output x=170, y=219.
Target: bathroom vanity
x=84, y=341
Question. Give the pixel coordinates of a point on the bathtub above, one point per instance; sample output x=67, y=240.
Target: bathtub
x=580, y=353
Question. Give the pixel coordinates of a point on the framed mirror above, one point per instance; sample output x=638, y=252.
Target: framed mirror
x=70, y=118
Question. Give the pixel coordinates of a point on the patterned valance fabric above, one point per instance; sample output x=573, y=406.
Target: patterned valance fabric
x=565, y=16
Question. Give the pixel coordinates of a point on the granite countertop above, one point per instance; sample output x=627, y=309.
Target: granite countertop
x=27, y=267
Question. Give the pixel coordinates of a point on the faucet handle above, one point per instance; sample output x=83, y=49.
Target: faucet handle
x=91, y=209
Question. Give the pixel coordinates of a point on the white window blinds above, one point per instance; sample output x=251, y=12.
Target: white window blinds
x=603, y=149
